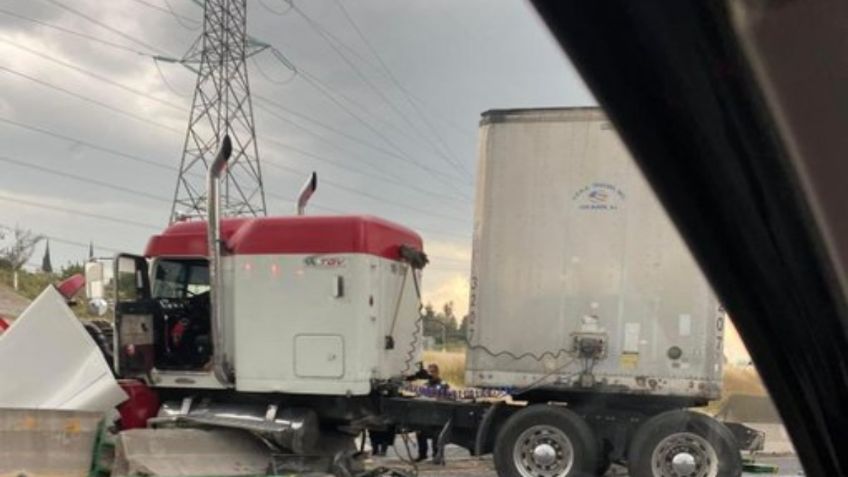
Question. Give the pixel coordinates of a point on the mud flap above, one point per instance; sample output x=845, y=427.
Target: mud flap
x=749, y=439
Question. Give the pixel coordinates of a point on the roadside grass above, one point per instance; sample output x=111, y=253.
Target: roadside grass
x=451, y=365
x=743, y=380
x=737, y=380
x=30, y=285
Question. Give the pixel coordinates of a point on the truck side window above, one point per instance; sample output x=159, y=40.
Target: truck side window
x=180, y=278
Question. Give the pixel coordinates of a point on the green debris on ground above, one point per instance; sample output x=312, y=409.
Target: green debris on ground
x=750, y=466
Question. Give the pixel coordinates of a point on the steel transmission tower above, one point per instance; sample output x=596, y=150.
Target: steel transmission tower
x=221, y=106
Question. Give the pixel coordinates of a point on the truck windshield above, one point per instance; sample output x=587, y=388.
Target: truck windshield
x=180, y=278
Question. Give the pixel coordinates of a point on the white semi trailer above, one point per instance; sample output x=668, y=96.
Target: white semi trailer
x=570, y=238
x=588, y=316
x=584, y=294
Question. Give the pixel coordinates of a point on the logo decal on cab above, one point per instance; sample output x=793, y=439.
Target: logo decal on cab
x=323, y=261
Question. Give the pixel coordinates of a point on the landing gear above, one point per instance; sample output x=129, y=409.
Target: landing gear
x=546, y=441
x=684, y=444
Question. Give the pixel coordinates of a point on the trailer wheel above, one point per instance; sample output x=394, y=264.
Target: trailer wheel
x=683, y=444
x=604, y=461
x=545, y=441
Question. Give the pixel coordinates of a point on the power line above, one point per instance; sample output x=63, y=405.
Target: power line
x=97, y=147
x=173, y=12
x=404, y=117
x=87, y=180
x=181, y=19
x=149, y=196
x=394, y=79
x=378, y=173
x=343, y=166
x=388, y=174
x=66, y=241
x=89, y=73
x=172, y=105
x=330, y=128
x=165, y=80
x=133, y=90
x=343, y=134
x=106, y=218
x=138, y=52
x=279, y=56
x=369, y=195
x=97, y=22
x=454, y=126
x=110, y=107
x=149, y=162
x=107, y=150
x=268, y=77
x=124, y=155
x=72, y=32
x=325, y=90
x=122, y=112
x=78, y=212
x=277, y=12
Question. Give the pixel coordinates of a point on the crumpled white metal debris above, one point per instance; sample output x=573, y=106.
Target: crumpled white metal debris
x=48, y=361
x=189, y=452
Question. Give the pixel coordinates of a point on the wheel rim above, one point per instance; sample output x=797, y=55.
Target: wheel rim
x=543, y=451
x=684, y=454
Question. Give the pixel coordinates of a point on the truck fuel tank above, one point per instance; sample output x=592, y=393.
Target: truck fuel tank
x=295, y=429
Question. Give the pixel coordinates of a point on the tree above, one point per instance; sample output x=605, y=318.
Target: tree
x=46, y=265
x=20, y=249
x=463, y=328
x=431, y=325
x=449, y=319
x=71, y=269
x=442, y=326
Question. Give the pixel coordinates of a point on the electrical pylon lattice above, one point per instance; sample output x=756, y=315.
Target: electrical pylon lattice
x=221, y=106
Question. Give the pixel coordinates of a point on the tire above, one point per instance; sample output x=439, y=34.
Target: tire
x=604, y=462
x=683, y=444
x=546, y=441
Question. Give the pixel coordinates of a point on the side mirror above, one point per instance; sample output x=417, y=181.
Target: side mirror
x=94, y=280
x=95, y=283
x=98, y=306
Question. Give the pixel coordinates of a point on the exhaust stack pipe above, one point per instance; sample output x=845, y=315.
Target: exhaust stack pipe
x=213, y=239
x=306, y=192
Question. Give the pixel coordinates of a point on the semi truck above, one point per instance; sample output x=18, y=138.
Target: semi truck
x=589, y=320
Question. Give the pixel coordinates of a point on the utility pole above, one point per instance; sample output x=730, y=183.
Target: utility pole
x=221, y=106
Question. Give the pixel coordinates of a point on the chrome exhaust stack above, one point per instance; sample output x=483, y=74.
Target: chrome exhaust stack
x=306, y=192
x=213, y=239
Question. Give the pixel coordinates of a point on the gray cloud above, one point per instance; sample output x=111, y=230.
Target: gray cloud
x=457, y=58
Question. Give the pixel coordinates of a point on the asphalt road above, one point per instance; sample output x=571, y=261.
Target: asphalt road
x=473, y=467
x=461, y=464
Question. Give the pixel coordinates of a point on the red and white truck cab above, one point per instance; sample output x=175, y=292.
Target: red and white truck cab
x=310, y=305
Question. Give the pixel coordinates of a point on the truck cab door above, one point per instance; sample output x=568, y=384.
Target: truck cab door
x=134, y=316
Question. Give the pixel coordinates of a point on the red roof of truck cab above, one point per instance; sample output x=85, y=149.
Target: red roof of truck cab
x=288, y=235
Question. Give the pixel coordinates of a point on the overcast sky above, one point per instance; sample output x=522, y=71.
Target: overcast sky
x=455, y=58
